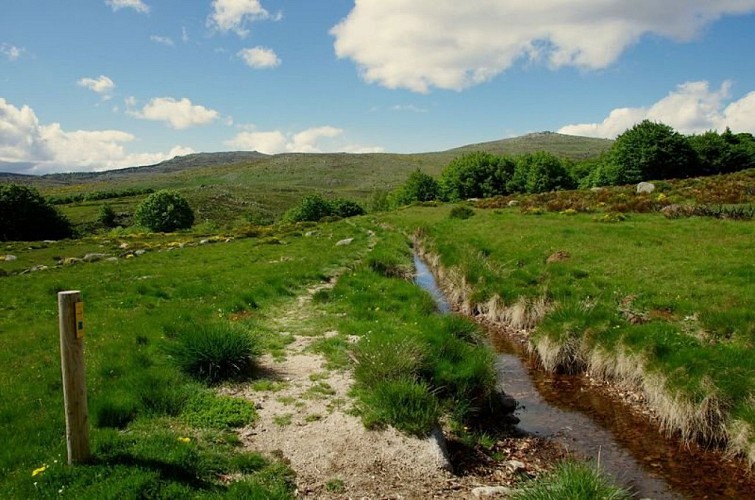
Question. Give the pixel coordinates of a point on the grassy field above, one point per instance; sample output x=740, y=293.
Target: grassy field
x=666, y=304
x=157, y=431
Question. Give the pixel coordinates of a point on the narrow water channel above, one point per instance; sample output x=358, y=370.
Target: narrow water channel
x=626, y=446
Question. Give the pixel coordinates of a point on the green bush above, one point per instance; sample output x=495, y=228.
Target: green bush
x=418, y=187
x=314, y=208
x=211, y=353
x=461, y=212
x=164, y=211
x=540, y=172
x=25, y=215
x=346, y=208
x=208, y=410
x=107, y=216
x=476, y=175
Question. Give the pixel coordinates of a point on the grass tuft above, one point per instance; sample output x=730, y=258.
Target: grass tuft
x=572, y=480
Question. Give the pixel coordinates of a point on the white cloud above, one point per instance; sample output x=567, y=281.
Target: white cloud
x=163, y=40
x=692, y=108
x=235, y=15
x=50, y=148
x=408, y=107
x=259, y=57
x=137, y=5
x=102, y=85
x=184, y=35
x=436, y=43
x=179, y=114
x=306, y=141
x=11, y=52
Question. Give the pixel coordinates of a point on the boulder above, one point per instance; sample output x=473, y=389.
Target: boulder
x=513, y=203
x=94, y=257
x=645, y=187
x=9, y=258
x=345, y=242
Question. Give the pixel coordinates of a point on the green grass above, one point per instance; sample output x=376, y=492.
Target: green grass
x=411, y=365
x=678, y=295
x=130, y=305
x=572, y=480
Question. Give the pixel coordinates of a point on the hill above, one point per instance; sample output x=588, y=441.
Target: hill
x=574, y=147
x=230, y=186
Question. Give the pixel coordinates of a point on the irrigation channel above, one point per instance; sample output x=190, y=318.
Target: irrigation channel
x=626, y=445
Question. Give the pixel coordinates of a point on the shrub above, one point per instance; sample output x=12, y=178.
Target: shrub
x=107, y=216
x=461, y=212
x=476, y=175
x=164, y=211
x=418, y=187
x=211, y=353
x=25, y=215
x=571, y=480
x=346, y=208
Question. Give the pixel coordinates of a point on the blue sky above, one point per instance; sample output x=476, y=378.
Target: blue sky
x=100, y=84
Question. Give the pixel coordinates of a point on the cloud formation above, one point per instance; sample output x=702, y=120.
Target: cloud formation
x=50, y=148
x=422, y=44
x=179, y=114
x=259, y=57
x=102, y=85
x=306, y=141
x=163, y=40
x=137, y=5
x=690, y=109
x=235, y=15
x=11, y=52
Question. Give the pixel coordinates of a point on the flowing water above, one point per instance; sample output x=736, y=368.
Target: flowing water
x=625, y=445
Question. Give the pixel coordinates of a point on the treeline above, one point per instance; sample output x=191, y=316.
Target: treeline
x=99, y=195
x=647, y=151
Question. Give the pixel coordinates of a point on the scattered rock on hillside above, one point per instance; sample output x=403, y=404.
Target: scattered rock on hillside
x=94, y=257
x=645, y=187
x=9, y=258
x=513, y=203
x=345, y=242
x=559, y=256
x=492, y=491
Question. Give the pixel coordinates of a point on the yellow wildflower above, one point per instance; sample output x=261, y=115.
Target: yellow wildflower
x=184, y=439
x=38, y=470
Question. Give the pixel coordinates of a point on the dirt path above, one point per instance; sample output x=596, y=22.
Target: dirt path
x=307, y=422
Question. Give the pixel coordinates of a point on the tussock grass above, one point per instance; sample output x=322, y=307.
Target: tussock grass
x=211, y=353
x=411, y=365
x=572, y=480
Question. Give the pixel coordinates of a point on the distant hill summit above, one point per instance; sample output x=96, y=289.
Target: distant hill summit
x=571, y=146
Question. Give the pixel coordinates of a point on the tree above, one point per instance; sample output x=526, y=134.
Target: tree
x=418, y=187
x=164, y=211
x=25, y=215
x=544, y=172
x=107, y=216
x=651, y=150
x=476, y=175
x=346, y=208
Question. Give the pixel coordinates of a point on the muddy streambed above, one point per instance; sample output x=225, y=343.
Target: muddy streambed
x=592, y=423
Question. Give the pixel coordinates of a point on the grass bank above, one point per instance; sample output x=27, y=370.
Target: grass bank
x=663, y=304
x=157, y=430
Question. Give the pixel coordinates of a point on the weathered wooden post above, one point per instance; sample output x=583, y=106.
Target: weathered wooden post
x=71, y=320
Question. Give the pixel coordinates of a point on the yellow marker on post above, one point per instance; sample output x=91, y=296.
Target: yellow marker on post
x=79, y=320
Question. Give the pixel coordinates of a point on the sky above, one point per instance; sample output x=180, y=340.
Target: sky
x=89, y=85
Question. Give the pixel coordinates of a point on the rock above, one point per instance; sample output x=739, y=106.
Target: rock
x=309, y=234
x=514, y=465
x=112, y=259
x=345, y=242
x=508, y=404
x=123, y=246
x=513, y=203
x=492, y=491
x=597, y=189
x=9, y=258
x=204, y=242
x=559, y=256
x=645, y=187
x=139, y=253
x=40, y=267
x=69, y=261
x=94, y=257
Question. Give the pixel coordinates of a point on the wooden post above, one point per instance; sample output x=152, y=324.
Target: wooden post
x=71, y=317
